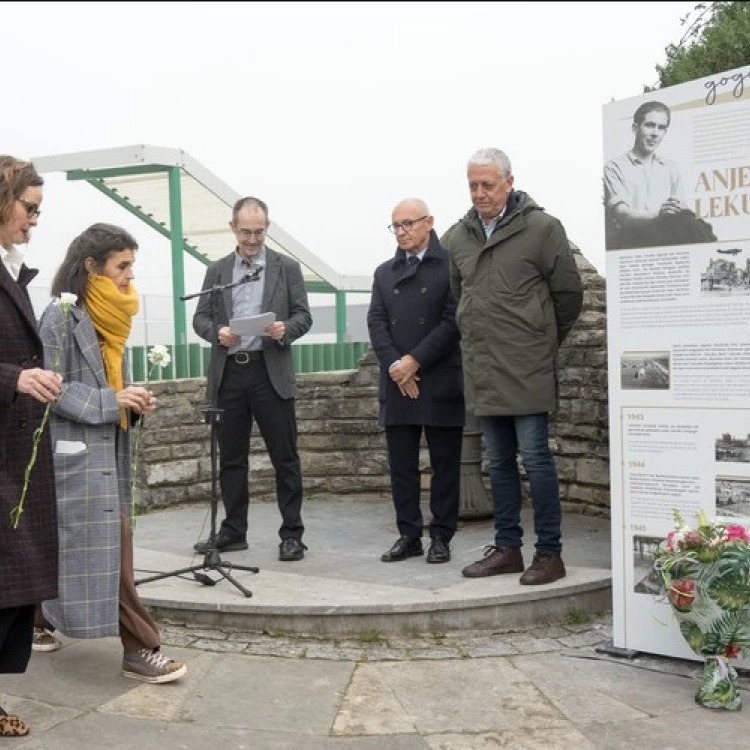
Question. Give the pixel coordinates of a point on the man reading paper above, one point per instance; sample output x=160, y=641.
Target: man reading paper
x=251, y=377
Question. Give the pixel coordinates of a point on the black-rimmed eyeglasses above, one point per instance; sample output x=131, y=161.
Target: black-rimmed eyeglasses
x=407, y=225
x=248, y=233
x=32, y=209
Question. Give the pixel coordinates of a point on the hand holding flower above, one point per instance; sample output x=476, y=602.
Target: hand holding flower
x=44, y=386
x=137, y=398
x=142, y=401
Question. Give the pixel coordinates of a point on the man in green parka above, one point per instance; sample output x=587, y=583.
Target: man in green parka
x=519, y=293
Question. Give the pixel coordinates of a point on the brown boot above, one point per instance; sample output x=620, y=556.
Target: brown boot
x=496, y=561
x=546, y=568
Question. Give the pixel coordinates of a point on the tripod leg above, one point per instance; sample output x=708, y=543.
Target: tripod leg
x=212, y=559
x=220, y=569
x=179, y=572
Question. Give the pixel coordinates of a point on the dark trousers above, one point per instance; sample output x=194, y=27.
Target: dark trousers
x=16, y=633
x=504, y=438
x=246, y=394
x=444, y=446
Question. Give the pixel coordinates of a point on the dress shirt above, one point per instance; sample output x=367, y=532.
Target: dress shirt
x=13, y=260
x=247, y=298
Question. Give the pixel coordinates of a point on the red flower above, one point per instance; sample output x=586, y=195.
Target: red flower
x=733, y=651
x=682, y=594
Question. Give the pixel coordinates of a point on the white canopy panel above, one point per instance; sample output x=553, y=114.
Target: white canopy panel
x=206, y=203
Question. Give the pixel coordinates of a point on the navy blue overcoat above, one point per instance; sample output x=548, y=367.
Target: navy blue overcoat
x=412, y=311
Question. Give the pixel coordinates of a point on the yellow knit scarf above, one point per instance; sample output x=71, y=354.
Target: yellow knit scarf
x=112, y=313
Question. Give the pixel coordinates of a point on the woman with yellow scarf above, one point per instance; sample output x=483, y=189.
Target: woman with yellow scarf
x=90, y=434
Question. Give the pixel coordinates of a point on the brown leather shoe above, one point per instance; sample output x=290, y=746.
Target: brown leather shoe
x=496, y=561
x=546, y=568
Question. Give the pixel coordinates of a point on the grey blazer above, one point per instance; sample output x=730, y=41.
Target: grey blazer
x=284, y=293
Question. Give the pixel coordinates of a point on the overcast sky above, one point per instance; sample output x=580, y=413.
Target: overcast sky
x=330, y=112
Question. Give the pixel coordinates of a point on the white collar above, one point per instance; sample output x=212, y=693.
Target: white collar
x=13, y=260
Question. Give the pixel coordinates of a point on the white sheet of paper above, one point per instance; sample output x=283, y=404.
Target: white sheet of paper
x=69, y=447
x=253, y=326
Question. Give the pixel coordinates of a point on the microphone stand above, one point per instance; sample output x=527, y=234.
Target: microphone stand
x=212, y=416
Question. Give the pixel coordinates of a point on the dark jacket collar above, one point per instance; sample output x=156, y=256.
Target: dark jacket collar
x=432, y=251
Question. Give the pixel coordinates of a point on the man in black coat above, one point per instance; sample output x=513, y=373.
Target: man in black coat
x=413, y=332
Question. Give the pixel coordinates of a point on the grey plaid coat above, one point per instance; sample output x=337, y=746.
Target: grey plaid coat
x=92, y=469
x=28, y=553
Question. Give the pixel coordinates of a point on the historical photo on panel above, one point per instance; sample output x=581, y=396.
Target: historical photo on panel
x=727, y=273
x=645, y=202
x=646, y=579
x=644, y=370
x=733, y=448
x=733, y=496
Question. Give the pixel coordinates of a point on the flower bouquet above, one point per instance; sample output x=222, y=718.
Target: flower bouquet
x=705, y=574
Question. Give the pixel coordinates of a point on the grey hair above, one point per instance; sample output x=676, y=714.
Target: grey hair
x=492, y=156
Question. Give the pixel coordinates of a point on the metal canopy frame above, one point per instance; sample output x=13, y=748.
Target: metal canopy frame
x=171, y=192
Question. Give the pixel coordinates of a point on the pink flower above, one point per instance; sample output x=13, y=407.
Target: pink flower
x=737, y=533
x=673, y=540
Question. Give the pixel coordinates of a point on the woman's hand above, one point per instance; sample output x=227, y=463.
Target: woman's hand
x=137, y=398
x=43, y=385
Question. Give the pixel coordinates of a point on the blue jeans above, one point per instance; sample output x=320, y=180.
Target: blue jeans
x=504, y=438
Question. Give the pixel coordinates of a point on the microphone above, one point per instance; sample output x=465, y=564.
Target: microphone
x=254, y=273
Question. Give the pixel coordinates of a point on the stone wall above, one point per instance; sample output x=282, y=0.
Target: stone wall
x=342, y=449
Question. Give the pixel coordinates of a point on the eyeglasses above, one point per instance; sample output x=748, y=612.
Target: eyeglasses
x=32, y=209
x=407, y=225
x=248, y=233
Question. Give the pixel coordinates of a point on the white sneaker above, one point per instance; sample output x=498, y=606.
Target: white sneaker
x=45, y=640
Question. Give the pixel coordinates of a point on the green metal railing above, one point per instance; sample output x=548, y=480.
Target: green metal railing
x=192, y=360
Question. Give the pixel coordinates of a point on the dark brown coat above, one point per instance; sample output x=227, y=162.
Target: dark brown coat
x=28, y=553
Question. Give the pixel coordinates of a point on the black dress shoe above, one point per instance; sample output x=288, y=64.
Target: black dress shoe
x=222, y=543
x=291, y=549
x=439, y=551
x=402, y=549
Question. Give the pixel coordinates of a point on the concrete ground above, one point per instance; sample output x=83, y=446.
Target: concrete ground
x=550, y=685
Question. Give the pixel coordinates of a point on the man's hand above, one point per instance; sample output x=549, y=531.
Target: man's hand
x=403, y=370
x=227, y=338
x=276, y=330
x=672, y=206
x=43, y=385
x=410, y=388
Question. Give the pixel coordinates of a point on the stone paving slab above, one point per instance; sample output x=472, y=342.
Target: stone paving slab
x=459, y=691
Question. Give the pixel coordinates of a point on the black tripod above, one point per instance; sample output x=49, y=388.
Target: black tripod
x=212, y=559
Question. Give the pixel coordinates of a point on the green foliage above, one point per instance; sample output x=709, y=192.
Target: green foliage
x=730, y=591
x=717, y=39
x=577, y=617
x=723, y=631
x=693, y=635
x=371, y=636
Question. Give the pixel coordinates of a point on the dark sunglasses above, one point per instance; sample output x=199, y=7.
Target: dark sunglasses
x=32, y=209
